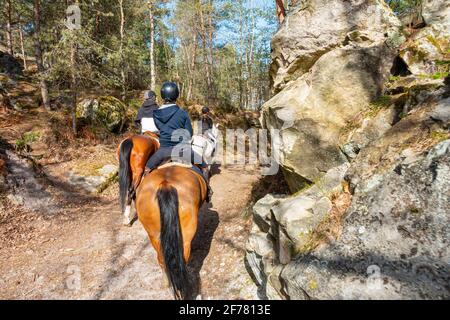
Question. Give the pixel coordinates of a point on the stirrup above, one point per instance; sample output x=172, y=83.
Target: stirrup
x=146, y=171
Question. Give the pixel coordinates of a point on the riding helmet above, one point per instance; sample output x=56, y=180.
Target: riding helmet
x=149, y=95
x=169, y=92
x=205, y=110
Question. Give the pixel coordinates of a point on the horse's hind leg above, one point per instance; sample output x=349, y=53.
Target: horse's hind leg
x=157, y=245
x=129, y=213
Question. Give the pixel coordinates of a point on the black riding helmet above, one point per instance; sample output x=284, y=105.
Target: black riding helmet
x=169, y=92
x=205, y=110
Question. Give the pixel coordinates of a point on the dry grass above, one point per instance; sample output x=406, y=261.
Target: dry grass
x=330, y=227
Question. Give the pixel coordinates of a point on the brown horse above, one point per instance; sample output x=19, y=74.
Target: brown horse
x=167, y=203
x=133, y=153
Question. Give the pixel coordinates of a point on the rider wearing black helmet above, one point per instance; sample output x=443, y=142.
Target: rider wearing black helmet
x=206, y=121
x=169, y=118
x=175, y=129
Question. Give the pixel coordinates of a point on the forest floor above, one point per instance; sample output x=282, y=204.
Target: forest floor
x=78, y=248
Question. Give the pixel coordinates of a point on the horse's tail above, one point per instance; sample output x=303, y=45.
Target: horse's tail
x=172, y=241
x=124, y=170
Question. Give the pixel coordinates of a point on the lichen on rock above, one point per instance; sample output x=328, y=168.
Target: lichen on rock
x=106, y=111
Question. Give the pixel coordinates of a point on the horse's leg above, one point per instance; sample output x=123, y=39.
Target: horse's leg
x=157, y=245
x=137, y=169
x=127, y=214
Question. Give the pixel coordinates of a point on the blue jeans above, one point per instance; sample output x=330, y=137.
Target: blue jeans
x=162, y=154
x=166, y=153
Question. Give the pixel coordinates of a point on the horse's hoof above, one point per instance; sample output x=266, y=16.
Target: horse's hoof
x=199, y=297
x=126, y=223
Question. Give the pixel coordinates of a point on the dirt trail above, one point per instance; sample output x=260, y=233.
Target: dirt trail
x=85, y=253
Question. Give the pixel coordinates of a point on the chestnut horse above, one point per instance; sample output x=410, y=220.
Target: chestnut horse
x=133, y=153
x=167, y=203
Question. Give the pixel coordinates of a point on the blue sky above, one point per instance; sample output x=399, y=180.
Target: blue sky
x=228, y=31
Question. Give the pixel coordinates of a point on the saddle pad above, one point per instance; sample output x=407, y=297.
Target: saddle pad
x=175, y=164
x=183, y=165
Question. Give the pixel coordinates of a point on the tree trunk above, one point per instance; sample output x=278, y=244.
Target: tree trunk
x=205, y=53
x=152, y=47
x=251, y=53
x=281, y=12
x=122, y=62
x=211, y=49
x=38, y=53
x=9, y=35
x=22, y=47
x=73, y=55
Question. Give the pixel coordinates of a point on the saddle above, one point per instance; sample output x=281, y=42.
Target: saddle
x=169, y=163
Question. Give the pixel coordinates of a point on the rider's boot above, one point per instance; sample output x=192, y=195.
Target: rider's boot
x=209, y=192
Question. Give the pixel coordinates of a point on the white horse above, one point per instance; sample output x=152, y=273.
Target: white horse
x=205, y=145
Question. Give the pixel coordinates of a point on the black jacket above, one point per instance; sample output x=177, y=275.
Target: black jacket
x=146, y=111
x=207, y=123
x=169, y=119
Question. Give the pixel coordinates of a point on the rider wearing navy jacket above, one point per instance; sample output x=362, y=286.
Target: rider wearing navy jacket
x=175, y=130
x=173, y=124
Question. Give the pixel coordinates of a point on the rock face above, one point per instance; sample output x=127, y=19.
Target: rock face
x=107, y=111
x=427, y=51
x=337, y=45
x=368, y=160
x=395, y=240
x=24, y=186
x=320, y=26
x=10, y=65
x=95, y=183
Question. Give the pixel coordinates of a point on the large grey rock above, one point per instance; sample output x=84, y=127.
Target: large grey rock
x=416, y=131
x=25, y=187
x=94, y=183
x=284, y=225
x=106, y=111
x=313, y=111
x=10, y=65
x=395, y=239
x=319, y=26
x=429, y=47
x=436, y=12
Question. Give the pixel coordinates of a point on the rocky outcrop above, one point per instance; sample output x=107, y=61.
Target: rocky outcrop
x=18, y=94
x=427, y=50
x=284, y=226
x=393, y=242
x=10, y=65
x=367, y=156
x=313, y=110
x=106, y=111
x=316, y=27
x=95, y=182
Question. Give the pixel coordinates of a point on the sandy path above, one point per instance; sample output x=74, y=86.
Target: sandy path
x=88, y=254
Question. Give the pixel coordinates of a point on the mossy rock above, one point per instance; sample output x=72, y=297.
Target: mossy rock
x=107, y=111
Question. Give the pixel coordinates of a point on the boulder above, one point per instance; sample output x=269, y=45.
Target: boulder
x=313, y=112
x=437, y=13
x=366, y=159
x=427, y=51
x=395, y=239
x=317, y=27
x=106, y=111
x=10, y=65
x=283, y=227
x=95, y=182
